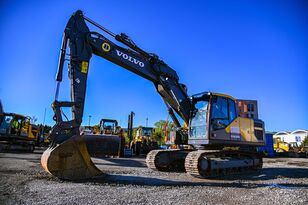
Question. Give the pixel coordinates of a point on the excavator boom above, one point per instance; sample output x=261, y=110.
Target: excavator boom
x=68, y=157
x=83, y=43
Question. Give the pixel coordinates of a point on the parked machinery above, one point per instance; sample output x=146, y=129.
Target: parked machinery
x=108, y=126
x=291, y=149
x=105, y=140
x=213, y=119
x=17, y=132
x=144, y=141
x=280, y=146
x=143, y=132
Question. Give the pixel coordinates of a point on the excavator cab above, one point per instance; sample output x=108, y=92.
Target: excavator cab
x=12, y=123
x=215, y=122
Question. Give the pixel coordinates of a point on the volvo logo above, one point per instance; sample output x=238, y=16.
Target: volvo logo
x=106, y=47
x=129, y=58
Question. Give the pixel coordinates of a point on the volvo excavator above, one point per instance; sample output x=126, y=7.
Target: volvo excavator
x=222, y=141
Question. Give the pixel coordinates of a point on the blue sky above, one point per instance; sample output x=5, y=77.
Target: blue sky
x=248, y=49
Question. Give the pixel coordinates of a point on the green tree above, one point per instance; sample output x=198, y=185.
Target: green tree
x=160, y=124
x=159, y=132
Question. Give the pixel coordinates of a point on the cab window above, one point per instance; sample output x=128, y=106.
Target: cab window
x=219, y=113
x=223, y=112
x=232, y=110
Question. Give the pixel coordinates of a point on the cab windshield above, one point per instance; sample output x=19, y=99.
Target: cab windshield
x=198, y=119
x=5, y=121
x=147, y=131
x=109, y=125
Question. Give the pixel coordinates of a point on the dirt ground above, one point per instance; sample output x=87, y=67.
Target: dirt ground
x=128, y=181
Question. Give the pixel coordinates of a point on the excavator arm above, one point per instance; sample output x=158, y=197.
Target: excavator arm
x=82, y=44
x=68, y=151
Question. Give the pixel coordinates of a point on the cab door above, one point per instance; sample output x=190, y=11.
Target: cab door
x=223, y=113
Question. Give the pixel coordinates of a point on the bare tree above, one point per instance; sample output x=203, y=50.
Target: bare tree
x=33, y=119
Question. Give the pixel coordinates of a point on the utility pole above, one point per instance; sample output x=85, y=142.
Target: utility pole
x=90, y=120
x=130, y=126
x=41, y=137
x=146, y=122
x=1, y=108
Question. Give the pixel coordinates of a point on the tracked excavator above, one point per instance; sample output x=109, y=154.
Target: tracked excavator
x=212, y=118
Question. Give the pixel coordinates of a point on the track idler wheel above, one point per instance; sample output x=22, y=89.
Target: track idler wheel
x=70, y=160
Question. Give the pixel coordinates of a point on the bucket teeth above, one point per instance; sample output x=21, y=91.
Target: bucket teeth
x=70, y=160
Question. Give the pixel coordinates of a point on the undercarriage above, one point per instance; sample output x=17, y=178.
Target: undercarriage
x=204, y=163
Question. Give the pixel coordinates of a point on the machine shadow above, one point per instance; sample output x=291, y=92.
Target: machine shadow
x=230, y=181
x=23, y=158
x=270, y=173
x=155, y=182
x=120, y=162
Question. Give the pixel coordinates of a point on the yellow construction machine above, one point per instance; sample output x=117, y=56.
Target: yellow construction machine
x=143, y=142
x=105, y=140
x=213, y=119
x=280, y=146
x=17, y=132
x=291, y=149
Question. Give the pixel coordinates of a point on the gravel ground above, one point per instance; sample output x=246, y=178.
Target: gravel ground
x=128, y=181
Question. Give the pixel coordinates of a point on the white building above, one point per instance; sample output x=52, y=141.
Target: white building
x=297, y=136
x=283, y=135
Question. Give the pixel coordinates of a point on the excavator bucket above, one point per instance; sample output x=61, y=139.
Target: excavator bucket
x=70, y=160
x=103, y=145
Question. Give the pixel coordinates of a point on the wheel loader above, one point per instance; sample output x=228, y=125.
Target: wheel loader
x=108, y=141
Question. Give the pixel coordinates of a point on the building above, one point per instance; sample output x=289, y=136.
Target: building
x=248, y=108
x=297, y=136
x=283, y=135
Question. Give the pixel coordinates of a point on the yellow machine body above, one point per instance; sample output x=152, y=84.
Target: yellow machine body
x=280, y=146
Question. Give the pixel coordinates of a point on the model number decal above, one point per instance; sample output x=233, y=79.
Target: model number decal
x=235, y=133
